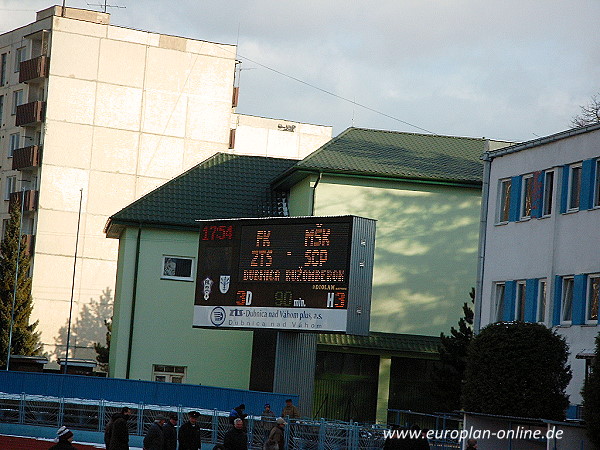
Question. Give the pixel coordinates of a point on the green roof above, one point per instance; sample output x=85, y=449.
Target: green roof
x=398, y=155
x=376, y=342
x=222, y=187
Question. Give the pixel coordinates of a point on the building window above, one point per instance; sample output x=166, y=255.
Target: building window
x=596, y=187
x=19, y=57
x=17, y=100
x=520, y=301
x=548, y=193
x=13, y=143
x=593, y=291
x=566, y=309
x=541, y=301
x=3, y=69
x=499, y=301
x=504, y=201
x=4, y=228
x=169, y=374
x=574, y=187
x=177, y=268
x=10, y=187
x=1, y=108
x=526, y=196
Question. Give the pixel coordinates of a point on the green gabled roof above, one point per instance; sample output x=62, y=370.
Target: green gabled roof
x=389, y=343
x=223, y=186
x=395, y=154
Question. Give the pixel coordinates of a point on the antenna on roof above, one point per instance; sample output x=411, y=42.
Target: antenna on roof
x=105, y=5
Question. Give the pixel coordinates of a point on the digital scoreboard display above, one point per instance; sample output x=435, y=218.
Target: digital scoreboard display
x=290, y=273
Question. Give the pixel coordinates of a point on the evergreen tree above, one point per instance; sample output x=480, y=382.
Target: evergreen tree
x=25, y=340
x=517, y=369
x=103, y=351
x=591, y=399
x=449, y=375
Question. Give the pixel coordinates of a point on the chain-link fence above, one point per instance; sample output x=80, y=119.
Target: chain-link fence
x=92, y=415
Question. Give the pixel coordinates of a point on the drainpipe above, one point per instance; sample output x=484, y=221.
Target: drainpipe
x=133, y=299
x=314, y=194
x=487, y=161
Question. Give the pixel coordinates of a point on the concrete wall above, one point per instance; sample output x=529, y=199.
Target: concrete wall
x=426, y=246
x=126, y=111
x=561, y=244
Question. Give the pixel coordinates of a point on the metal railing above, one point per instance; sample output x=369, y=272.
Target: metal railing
x=93, y=415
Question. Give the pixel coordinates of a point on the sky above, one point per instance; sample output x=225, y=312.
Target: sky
x=510, y=70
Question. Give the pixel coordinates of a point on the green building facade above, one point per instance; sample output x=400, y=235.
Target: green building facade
x=423, y=190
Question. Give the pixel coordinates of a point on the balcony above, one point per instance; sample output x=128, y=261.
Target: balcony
x=26, y=157
x=30, y=197
x=30, y=114
x=34, y=69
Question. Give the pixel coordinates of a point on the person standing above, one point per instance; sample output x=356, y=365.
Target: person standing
x=268, y=419
x=116, y=435
x=189, y=433
x=170, y=433
x=236, y=439
x=472, y=444
x=237, y=413
x=154, y=439
x=276, y=436
x=64, y=439
x=290, y=410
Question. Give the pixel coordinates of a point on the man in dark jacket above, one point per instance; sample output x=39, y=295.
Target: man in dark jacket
x=116, y=435
x=236, y=439
x=189, y=433
x=170, y=433
x=237, y=413
x=154, y=439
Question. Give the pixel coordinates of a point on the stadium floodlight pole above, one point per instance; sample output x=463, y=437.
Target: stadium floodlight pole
x=14, y=299
x=73, y=282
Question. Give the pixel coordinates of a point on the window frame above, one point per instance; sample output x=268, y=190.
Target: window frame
x=11, y=143
x=526, y=180
x=10, y=186
x=499, y=287
x=503, y=201
x=570, y=207
x=548, y=198
x=20, y=56
x=3, y=64
x=191, y=277
x=160, y=370
x=597, y=185
x=520, y=299
x=590, y=277
x=566, y=280
x=542, y=299
x=17, y=100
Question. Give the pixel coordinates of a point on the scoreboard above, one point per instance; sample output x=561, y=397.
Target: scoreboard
x=310, y=274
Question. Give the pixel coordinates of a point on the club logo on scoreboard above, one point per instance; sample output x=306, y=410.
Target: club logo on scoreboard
x=207, y=287
x=224, y=283
x=217, y=316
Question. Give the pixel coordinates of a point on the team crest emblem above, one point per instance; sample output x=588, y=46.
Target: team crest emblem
x=224, y=283
x=207, y=283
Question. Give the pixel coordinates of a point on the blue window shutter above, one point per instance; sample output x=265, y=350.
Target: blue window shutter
x=538, y=194
x=586, y=195
x=564, y=192
x=557, y=300
x=515, y=199
x=579, y=285
x=510, y=290
x=531, y=288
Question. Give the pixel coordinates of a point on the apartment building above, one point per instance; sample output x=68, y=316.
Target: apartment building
x=100, y=115
x=539, y=242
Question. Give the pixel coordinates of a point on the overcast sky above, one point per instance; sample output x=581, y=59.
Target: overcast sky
x=509, y=70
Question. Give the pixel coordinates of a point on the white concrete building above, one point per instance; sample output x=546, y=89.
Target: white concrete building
x=112, y=113
x=539, y=258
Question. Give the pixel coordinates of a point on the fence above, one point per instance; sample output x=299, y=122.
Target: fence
x=442, y=425
x=93, y=415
